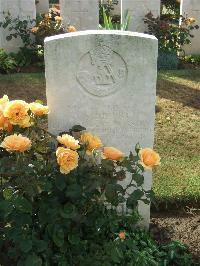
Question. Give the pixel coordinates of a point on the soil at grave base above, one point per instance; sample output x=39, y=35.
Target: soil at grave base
x=31, y=69
x=188, y=65
x=178, y=225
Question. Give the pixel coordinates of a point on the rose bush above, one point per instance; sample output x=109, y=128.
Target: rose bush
x=171, y=35
x=59, y=197
x=32, y=34
x=59, y=194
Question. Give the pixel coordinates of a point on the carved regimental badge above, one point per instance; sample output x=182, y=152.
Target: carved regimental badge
x=102, y=71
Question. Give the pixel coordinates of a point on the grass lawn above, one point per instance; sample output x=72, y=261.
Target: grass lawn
x=177, y=136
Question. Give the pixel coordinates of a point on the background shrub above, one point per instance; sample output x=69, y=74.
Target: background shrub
x=7, y=62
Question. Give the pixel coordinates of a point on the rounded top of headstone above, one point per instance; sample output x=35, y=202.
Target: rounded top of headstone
x=100, y=32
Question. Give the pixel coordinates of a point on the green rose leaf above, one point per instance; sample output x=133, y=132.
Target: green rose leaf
x=60, y=182
x=74, y=191
x=68, y=211
x=33, y=260
x=137, y=194
x=132, y=201
x=111, y=193
x=139, y=179
x=116, y=254
x=108, y=165
x=73, y=239
x=58, y=236
x=22, y=205
x=7, y=193
x=5, y=208
x=40, y=245
x=25, y=245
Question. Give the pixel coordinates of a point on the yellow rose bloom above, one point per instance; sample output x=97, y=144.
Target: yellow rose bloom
x=122, y=235
x=67, y=159
x=3, y=102
x=5, y=123
x=38, y=109
x=68, y=141
x=71, y=29
x=92, y=142
x=58, y=18
x=149, y=158
x=17, y=112
x=16, y=143
x=34, y=29
x=111, y=153
x=191, y=20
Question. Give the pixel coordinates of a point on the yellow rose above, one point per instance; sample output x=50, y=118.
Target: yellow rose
x=67, y=159
x=38, y=109
x=69, y=141
x=112, y=154
x=191, y=20
x=16, y=143
x=92, y=142
x=34, y=29
x=17, y=112
x=149, y=158
x=3, y=102
x=71, y=29
x=58, y=18
x=5, y=123
x=122, y=235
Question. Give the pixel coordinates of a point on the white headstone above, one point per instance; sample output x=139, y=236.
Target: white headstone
x=191, y=8
x=42, y=6
x=105, y=81
x=137, y=11
x=83, y=14
x=25, y=10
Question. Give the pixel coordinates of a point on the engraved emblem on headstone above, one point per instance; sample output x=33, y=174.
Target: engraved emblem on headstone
x=102, y=71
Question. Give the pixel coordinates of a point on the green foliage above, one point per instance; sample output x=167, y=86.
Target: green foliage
x=194, y=59
x=7, y=62
x=32, y=34
x=170, y=6
x=50, y=218
x=138, y=249
x=171, y=37
x=167, y=60
x=108, y=24
x=18, y=29
x=48, y=25
x=106, y=6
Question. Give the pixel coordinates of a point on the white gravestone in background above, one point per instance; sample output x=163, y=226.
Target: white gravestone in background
x=83, y=14
x=25, y=10
x=137, y=11
x=105, y=81
x=191, y=8
x=42, y=6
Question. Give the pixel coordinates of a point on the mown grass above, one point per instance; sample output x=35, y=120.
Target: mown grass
x=177, y=132
x=177, y=137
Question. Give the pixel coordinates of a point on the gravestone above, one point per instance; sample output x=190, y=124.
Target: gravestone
x=83, y=14
x=191, y=8
x=105, y=81
x=137, y=11
x=42, y=6
x=25, y=10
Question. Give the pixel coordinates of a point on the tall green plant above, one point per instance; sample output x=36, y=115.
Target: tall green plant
x=109, y=25
x=106, y=6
